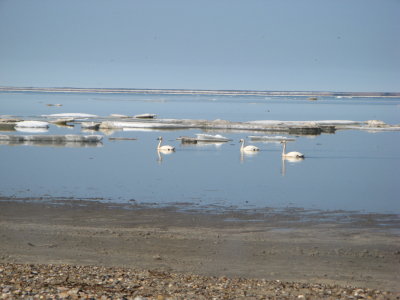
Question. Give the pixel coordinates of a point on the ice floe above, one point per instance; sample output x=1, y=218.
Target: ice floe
x=276, y=126
x=32, y=124
x=71, y=115
x=272, y=139
x=32, y=129
x=111, y=125
x=145, y=116
x=90, y=125
x=312, y=127
x=53, y=138
x=203, y=138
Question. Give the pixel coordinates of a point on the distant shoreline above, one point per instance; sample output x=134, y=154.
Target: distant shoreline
x=198, y=92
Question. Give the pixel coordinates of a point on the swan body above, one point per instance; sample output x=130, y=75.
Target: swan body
x=293, y=159
x=249, y=148
x=293, y=154
x=164, y=147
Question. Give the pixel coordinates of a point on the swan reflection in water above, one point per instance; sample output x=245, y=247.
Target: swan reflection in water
x=249, y=154
x=161, y=153
x=291, y=160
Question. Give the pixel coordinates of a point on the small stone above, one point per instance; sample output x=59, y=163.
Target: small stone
x=63, y=295
x=73, y=291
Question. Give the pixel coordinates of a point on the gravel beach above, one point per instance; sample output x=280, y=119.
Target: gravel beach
x=87, y=249
x=72, y=282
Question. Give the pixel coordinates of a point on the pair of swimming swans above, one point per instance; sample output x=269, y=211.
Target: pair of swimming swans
x=252, y=149
x=171, y=148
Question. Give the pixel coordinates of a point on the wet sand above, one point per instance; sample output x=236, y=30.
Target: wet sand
x=291, y=245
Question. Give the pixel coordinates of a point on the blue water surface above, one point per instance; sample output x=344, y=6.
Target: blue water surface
x=348, y=170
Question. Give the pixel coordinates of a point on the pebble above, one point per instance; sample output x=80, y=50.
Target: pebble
x=96, y=282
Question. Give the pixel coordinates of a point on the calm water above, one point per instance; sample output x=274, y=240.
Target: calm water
x=348, y=170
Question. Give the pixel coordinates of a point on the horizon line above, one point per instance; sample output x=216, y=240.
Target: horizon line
x=198, y=91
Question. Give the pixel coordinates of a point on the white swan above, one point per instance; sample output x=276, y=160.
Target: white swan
x=249, y=148
x=164, y=147
x=293, y=154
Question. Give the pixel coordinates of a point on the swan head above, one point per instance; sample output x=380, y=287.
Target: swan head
x=159, y=138
x=241, y=140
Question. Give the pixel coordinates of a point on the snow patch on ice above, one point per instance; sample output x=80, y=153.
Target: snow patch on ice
x=32, y=124
x=71, y=115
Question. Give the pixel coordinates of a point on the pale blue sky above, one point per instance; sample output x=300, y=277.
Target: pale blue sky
x=335, y=45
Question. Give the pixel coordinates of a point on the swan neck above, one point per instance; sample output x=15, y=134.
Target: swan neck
x=284, y=149
x=242, y=145
x=159, y=144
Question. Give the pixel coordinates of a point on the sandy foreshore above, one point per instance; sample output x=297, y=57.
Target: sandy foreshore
x=291, y=251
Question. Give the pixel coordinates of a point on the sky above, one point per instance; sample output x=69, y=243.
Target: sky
x=291, y=45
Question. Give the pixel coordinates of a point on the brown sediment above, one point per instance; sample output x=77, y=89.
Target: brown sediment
x=310, y=253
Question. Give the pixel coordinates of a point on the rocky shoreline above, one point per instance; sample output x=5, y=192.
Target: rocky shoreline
x=34, y=281
x=73, y=249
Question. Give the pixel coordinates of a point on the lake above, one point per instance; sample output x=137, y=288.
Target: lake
x=349, y=170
